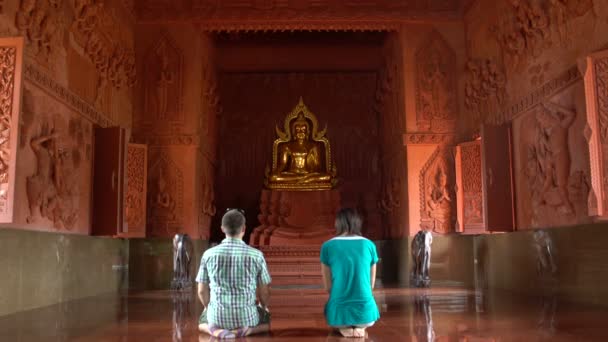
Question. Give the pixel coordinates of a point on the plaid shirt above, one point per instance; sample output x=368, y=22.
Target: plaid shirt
x=233, y=270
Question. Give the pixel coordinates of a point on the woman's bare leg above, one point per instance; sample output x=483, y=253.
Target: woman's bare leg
x=216, y=332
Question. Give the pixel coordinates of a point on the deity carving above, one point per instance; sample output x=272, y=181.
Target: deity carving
x=165, y=193
x=52, y=191
x=163, y=84
x=437, y=192
x=182, y=256
x=545, y=254
x=552, y=184
x=301, y=156
x=484, y=88
x=421, y=258
x=436, y=86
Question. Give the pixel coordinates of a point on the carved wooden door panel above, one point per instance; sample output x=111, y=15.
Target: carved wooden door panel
x=11, y=67
x=136, y=189
x=108, y=181
x=497, y=176
x=596, y=95
x=469, y=194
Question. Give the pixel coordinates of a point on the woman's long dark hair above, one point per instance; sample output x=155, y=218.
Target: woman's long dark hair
x=348, y=222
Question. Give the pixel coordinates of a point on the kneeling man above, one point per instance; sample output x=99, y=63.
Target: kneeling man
x=228, y=278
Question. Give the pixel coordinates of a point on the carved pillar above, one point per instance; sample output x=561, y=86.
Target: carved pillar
x=596, y=132
x=11, y=63
x=469, y=197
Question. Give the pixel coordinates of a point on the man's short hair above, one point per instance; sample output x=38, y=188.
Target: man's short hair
x=232, y=221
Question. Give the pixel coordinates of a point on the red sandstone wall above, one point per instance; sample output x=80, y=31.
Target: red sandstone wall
x=78, y=72
x=255, y=102
x=536, y=61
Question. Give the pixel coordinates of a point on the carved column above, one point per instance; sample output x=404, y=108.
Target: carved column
x=11, y=63
x=596, y=132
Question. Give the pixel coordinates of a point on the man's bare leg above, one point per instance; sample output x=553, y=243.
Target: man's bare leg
x=216, y=332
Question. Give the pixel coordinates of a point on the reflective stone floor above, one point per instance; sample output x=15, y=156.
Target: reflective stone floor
x=438, y=314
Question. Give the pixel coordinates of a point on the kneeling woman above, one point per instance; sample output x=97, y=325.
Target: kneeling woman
x=349, y=262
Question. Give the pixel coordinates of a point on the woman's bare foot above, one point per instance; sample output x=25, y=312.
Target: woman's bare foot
x=359, y=332
x=347, y=332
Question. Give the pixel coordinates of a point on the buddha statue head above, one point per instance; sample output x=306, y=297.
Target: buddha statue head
x=301, y=156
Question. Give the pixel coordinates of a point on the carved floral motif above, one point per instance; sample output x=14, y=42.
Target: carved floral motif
x=471, y=183
x=136, y=187
x=7, y=83
x=436, y=101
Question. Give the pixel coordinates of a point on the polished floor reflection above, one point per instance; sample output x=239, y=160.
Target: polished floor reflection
x=447, y=314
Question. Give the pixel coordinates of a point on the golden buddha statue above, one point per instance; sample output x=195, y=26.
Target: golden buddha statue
x=301, y=158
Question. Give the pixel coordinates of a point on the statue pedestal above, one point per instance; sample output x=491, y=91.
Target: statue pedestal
x=296, y=218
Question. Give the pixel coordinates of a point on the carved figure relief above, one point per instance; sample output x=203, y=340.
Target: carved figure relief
x=40, y=22
x=436, y=101
x=548, y=167
x=437, y=192
x=421, y=259
x=164, y=81
x=53, y=188
x=136, y=187
x=484, y=88
x=165, y=184
x=545, y=253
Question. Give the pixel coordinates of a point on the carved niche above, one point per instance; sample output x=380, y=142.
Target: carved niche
x=163, y=81
x=557, y=187
x=42, y=24
x=53, y=189
x=470, y=191
x=165, y=197
x=436, y=101
x=135, y=202
x=484, y=89
x=11, y=63
x=596, y=94
x=437, y=197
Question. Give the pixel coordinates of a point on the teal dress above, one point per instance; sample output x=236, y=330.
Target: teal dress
x=350, y=301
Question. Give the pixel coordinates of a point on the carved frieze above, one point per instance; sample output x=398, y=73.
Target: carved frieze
x=66, y=96
x=11, y=63
x=437, y=197
x=484, y=88
x=167, y=140
x=42, y=24
x=436, y=101
x=135, y=202
x=427, y=138
x=163, y=81
x=165, y=197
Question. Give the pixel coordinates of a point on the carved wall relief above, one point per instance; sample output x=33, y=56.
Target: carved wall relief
x=557, y=187
x=596, y=94
x=165, y=196
x=469, y=180
x=163, y=81
x=53, y=189
x=437, y=200
x=40, y=22
x=11, y=62
x=135, y=201
x=484, y=88
x=436, y=100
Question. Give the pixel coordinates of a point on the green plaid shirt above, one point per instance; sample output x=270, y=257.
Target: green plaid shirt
x=233, y=271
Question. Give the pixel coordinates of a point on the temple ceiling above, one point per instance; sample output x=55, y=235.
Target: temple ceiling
x=286, y=15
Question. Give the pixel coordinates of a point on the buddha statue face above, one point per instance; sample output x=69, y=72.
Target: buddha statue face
x=300, y=129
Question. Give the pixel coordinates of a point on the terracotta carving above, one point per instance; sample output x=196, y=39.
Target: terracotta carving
x=484, y=88
x=437, y=192
x=52, y=191
x=164, y=81
x=436, y=86
x=421, y=259
x=40, y=23
x=135, y=202
x=471, y=184
x=7, y=83
x=165, y=192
